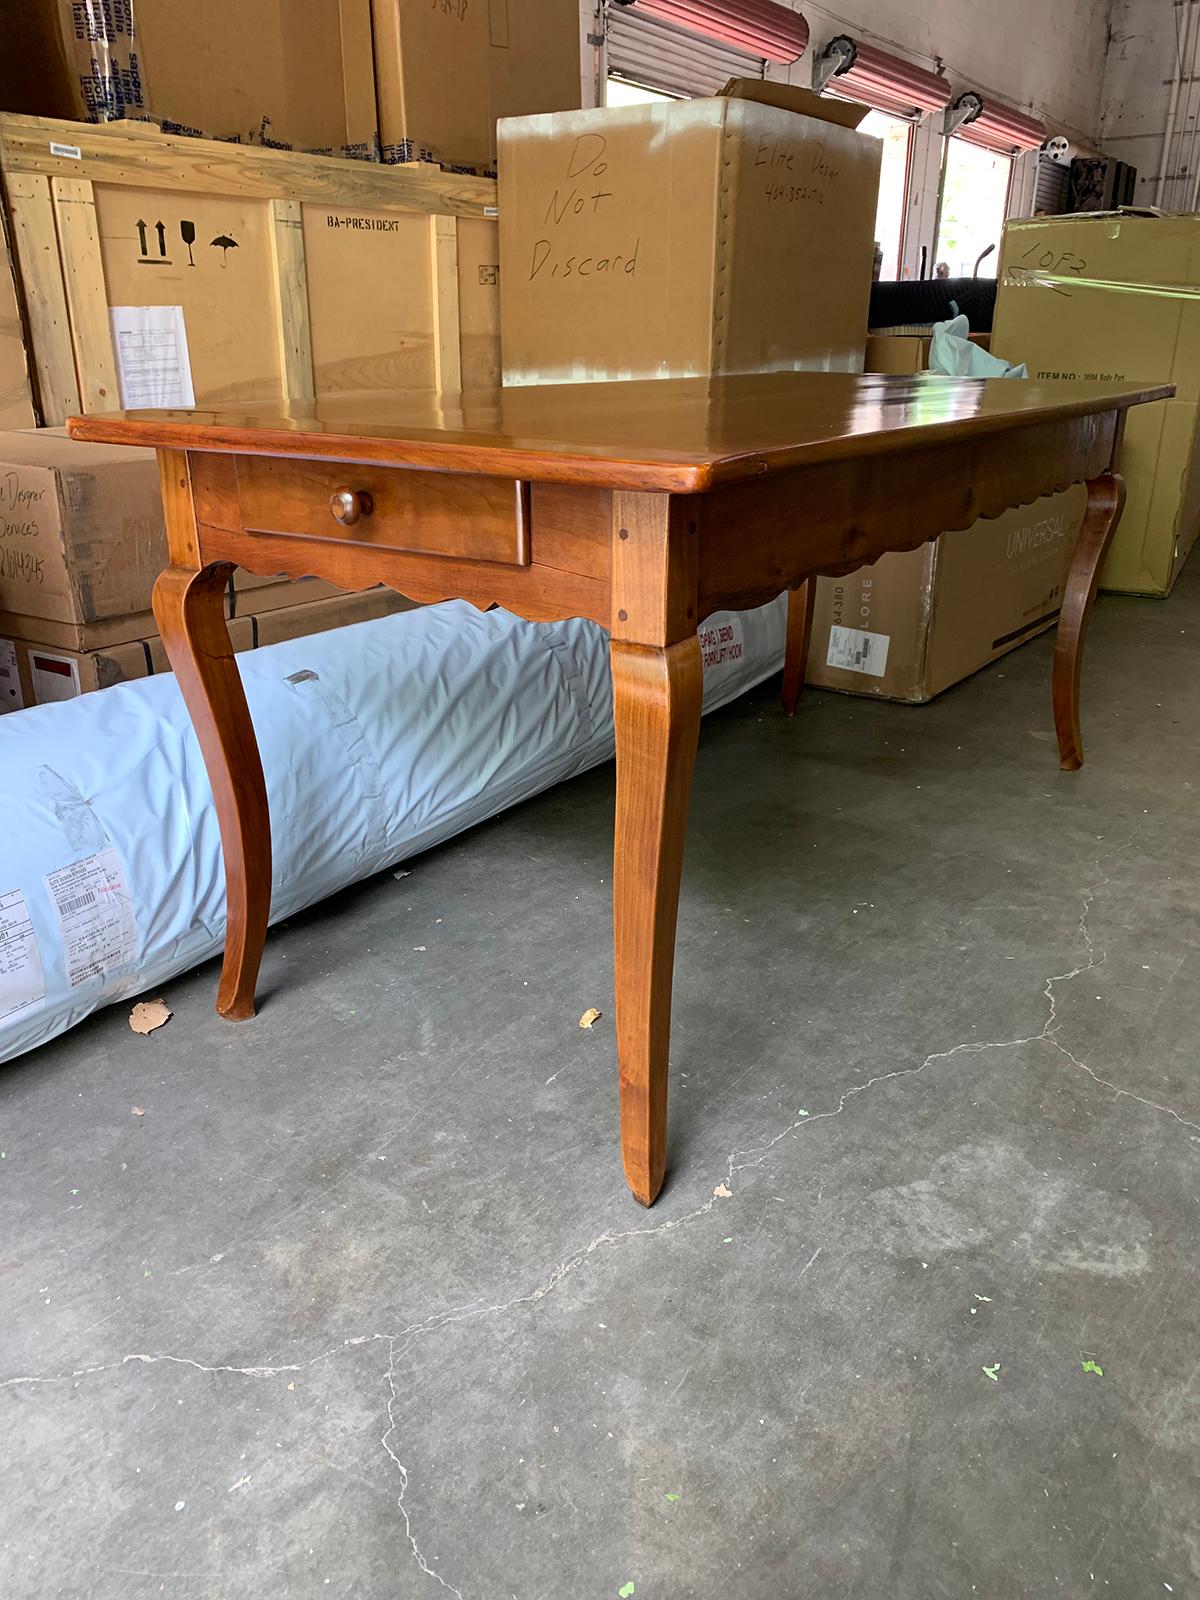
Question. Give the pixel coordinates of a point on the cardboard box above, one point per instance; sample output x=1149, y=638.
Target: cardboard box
x=248, y=597
x=1116, y=298
x=446, y=71
x=294, y=622
x=32, y=673
x=81, y=529
x=687, y=239
x=905, y=352
x=919, y=620
x=372, y=316
x=277, y=594
x=299, y=76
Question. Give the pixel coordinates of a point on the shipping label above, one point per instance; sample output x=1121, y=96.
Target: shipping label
x=22, y=985
x=95, y=916
x=856, y=650
x=722, y=643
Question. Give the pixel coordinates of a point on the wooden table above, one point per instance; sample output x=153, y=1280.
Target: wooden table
x=643, y=506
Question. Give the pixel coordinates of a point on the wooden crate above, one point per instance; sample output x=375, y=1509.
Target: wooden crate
x=334, y=276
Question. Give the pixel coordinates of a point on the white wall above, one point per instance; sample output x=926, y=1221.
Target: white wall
x=1046, y=57
x=1043, y=56
x=1147, y=36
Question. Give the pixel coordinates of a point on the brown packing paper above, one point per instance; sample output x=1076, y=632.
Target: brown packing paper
x=918, y=621
x=706, y=236
x=1114, y=297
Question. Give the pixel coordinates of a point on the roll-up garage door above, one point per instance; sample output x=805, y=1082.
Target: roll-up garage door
x=645, y=50
x=1051, y=183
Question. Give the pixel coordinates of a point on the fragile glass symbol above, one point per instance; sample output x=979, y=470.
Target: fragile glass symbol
x=187, y=232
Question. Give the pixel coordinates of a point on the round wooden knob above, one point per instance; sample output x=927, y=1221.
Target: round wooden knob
x=348, y=505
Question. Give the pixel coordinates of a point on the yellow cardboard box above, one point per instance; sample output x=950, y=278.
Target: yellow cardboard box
x=1116, y=297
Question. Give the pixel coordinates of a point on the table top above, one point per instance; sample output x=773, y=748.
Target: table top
x=683, y=435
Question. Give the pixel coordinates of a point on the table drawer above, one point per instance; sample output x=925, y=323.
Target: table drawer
x=391, y=508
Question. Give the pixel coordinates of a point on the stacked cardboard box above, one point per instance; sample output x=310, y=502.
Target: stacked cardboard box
x=406, y=79
x=1116, y=298
x=81, y=543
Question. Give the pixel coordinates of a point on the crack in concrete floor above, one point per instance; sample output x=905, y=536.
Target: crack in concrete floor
x=398, y=1343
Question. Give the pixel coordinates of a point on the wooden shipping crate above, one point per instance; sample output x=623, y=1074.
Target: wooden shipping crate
x=240, y=273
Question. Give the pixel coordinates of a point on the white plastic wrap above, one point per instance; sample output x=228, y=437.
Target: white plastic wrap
x=952, y=354
x=377, y=741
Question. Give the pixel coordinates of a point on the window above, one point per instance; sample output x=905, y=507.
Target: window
x=619, y=92
x=974, y=203
x=896, y=134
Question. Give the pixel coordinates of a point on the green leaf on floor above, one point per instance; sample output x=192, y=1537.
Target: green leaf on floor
x=672, y=1498
x=993, y=1372
x=626, y=1590
x=1093, y=1366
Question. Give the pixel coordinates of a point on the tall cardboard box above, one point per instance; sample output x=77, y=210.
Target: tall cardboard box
x=1116, y=298
x=446, y=70
x=298, y=75
x=686, y=239
x=919, y=620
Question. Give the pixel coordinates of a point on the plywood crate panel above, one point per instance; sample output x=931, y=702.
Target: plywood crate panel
x=296, y=276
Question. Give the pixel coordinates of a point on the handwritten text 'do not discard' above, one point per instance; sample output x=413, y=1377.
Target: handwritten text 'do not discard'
x=582, y=194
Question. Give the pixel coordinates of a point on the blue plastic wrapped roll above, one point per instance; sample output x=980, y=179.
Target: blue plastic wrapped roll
x=378, y=741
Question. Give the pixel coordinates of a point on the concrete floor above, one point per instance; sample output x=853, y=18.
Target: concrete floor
x=361, y=1306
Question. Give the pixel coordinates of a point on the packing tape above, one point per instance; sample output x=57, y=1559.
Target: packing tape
x=1018, y=277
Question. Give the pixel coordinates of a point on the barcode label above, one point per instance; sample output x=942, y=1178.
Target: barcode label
x=95, y=915
x=71, y=151
x=77, y=903
x=855, y=650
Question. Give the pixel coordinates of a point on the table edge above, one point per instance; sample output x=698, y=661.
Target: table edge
x=680, y=476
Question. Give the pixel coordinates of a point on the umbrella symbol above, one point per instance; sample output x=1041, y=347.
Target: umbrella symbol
x=225, y=244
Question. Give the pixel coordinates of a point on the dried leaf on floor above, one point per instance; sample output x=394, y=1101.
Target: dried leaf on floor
x=148, y=1015
x=723, y=1192
x=590, y=1016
